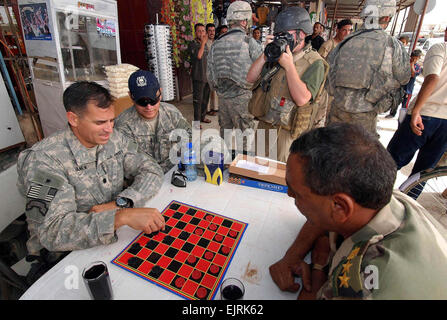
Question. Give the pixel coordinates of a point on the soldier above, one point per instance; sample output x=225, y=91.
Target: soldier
x=73, y=180
x=291, y=105
x=151, y=123
x=230, y=58
x=342, y=178
x=368, y=69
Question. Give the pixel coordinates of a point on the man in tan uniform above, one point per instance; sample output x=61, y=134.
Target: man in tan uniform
x=344, y=28
x=367, y=241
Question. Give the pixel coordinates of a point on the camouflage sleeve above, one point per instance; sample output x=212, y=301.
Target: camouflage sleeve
x=147, y=175
x=255, y=49
x=210, y=70
x=401, y=63
x=121, y=124
x=52, y=214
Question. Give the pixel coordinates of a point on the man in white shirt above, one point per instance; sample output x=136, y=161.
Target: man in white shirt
x=425, y=127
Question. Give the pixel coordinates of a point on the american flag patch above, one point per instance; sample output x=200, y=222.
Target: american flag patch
x=34, y=192
x=46, y=194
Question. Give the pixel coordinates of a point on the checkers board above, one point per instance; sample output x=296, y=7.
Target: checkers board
x=190, y=257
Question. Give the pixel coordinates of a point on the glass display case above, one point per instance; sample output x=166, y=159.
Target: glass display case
x=67, y=41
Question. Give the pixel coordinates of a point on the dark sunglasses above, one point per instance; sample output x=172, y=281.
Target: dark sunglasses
x=178, y=179
x=143, y=102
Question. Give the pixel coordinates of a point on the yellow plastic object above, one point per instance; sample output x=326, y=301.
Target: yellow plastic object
x=213, y=174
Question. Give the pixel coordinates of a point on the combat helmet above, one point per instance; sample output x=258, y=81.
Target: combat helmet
x=293, y=18
x=239, y=11
x=385, y=8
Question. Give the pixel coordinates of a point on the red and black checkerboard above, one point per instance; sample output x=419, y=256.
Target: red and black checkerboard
x=192, y=254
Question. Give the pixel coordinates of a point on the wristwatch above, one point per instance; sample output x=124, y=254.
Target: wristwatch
x=122, y=202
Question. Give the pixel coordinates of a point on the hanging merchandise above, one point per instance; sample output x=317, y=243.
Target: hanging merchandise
x=201, y=12
x=159, y=57
x=265, y=31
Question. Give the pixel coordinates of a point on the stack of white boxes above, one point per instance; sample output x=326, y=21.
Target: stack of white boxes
x=117, y=77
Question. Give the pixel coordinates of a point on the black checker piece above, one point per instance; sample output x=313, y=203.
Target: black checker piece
x=135, y=262
x=171, y=252
x=154, y=257
x=156, y=272
x=174, y=266
x=135, y=248
x=174, y=206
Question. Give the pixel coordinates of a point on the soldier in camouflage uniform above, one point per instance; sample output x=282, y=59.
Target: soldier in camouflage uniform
x=381, y=244
x=292, y=103
x=153, y=125
x=73, y=180
x=230, y=58
x=367, y=69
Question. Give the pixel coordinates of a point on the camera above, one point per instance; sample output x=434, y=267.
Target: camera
x=275, y=49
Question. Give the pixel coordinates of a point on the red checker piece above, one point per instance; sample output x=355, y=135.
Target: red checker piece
x=212, y=227
x=198, y=231
x=179, y=282
x=232, y=233
x=225, y=250
x=196, y=275
x=201, y=293
x=182, y=209
x=209, y=255
x=191, y=259
x=218, y=238
x=209, y=217
x=214, y=269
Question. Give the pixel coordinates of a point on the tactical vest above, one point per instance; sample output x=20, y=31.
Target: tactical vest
x=230, y=58
x=276, y=106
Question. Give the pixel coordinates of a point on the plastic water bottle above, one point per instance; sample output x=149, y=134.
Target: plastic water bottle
x=189, y=162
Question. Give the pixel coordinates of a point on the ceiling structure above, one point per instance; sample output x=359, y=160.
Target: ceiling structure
x=352, y=8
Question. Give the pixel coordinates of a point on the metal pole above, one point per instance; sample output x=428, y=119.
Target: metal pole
x=395, y=21
x=404, y=20
x=333, y=19
x=420, y=26
x=9, y=84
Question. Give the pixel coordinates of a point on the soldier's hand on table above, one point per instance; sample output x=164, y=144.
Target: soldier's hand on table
x=147, y=220
x=283, y=274
x=416, y=124
x=104, y=207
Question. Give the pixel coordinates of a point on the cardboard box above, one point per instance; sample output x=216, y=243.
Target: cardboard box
x=249, y=182
x=258, y=168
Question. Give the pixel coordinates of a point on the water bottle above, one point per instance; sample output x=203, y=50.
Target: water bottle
x=189, y=163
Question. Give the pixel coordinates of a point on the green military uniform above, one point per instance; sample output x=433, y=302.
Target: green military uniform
x=62, y=180
x=403, y=246
x=279, y=112
x=156, y=138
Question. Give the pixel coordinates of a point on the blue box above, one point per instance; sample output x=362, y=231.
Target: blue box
x=249, y=182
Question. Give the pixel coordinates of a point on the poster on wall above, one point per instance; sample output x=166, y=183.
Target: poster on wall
x=35, y=21
x=105, y=27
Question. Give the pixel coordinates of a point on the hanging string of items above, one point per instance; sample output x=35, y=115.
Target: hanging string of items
x=159, y=56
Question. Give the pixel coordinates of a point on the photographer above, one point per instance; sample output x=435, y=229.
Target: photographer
x=289, y=78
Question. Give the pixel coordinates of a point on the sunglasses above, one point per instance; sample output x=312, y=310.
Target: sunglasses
x=143, y=102
x=178, y=179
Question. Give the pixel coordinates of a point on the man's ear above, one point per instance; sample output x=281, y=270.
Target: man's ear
x=342, y=207
x=73, y=119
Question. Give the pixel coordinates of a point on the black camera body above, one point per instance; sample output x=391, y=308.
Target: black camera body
x=275, y=49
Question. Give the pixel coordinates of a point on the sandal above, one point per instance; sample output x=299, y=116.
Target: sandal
x=205, y=120
x=178, y=179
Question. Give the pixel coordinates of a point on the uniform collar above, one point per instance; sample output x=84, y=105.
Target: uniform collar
x=385, y=222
